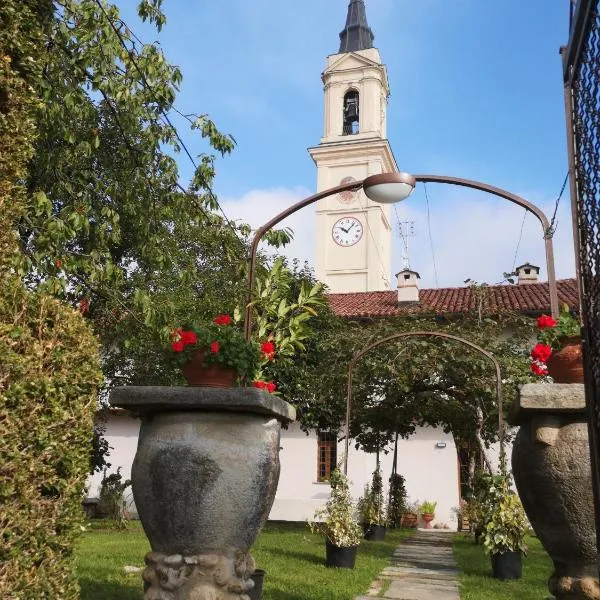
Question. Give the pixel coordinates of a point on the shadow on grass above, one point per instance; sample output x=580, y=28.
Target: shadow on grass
x=94, y=590
x=303, y=556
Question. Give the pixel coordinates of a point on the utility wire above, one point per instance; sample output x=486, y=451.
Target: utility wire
x=519, y=241
x=553, y=224
x=165, y=115
x=430, y=236
x=372, y=236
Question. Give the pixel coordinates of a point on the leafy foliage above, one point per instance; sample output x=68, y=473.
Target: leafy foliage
x=371, y=506
x=504, y=521
x=336, y=520
x=48, y=385
x=554, y=333
x=397, y=501
x=427, y=507
x=111, y=501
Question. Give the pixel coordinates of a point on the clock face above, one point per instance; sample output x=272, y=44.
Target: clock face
x=347, y=231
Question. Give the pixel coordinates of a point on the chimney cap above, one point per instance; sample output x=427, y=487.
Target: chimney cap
x=408, y=271
x=527, y=266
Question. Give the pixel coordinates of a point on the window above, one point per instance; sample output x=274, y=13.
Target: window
x=326, y=454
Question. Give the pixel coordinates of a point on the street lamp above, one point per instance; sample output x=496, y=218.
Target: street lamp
x=385, y=188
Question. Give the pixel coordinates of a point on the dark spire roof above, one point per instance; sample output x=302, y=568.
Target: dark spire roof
x=357, y=34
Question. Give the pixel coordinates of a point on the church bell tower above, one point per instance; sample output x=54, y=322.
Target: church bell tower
x=353, y=234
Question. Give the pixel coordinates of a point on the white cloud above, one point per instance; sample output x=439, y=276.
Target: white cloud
x=256, y=207
x=474, y=234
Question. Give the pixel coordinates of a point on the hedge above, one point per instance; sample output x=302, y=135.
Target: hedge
x=49, y=379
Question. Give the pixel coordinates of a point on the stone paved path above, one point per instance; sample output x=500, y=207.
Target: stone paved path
x=423, y=568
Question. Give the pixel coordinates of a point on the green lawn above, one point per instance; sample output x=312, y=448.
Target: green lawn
x=476, y=582
x=293, y=558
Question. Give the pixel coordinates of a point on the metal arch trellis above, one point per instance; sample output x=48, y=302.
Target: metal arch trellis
x=406, y=334
x=581, y=74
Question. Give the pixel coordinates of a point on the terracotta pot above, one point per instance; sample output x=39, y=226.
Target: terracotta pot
x=215, y=375
x=409, y=520
x=427, y=517
x=566, y=365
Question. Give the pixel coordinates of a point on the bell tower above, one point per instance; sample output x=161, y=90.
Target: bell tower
x=353, y=234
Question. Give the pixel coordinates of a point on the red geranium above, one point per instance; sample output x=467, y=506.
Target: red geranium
x=177, y=346
x=539, y=368
x=541, y=352
x=214, y=347
x=268, y=349
x=188, y=337
x=259, y=384
x=545, y=321
x=271, y=387
x=222, y=320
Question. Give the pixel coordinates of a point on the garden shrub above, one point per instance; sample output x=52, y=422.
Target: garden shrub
x=397, y=501
x=112, y=502
x=49, y=380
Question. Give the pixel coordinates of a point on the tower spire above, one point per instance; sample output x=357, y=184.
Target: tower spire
x=357, y=34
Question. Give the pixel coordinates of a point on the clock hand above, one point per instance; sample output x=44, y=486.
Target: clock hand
x=344, y=230
x=349, y=228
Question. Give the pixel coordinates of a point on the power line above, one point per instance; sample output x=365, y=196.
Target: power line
x=430, y=236
x=519, y=241
x=165, y=115
x=553, y=225
x=372, y=236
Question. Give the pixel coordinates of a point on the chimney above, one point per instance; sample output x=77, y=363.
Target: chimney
x=408, y=286
x=527, y=274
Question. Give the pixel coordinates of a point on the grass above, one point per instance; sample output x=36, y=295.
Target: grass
x=293, y=558
x=476, y=582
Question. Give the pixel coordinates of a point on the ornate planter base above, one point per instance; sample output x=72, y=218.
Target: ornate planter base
x=551, y=467
x=204, y=479
x=201, y=577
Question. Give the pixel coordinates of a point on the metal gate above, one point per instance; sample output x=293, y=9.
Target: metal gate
x=581, y=61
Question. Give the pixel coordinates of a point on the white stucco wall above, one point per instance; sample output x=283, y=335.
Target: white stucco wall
x=431, y=472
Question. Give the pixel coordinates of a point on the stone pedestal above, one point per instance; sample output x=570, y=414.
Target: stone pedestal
x=551, y=467
x=204, y=479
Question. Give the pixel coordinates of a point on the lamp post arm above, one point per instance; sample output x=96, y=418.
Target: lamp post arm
x=261, y=231
x=490, y=189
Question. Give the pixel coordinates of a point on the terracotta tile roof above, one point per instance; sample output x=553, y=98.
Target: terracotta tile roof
x=530, y=299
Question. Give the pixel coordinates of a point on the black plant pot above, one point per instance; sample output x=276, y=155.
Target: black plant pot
x=506, y=565
x=340, y=557
x=374, y=533
x=256, y=592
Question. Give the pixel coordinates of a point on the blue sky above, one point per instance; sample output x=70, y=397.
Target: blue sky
x=476, y=92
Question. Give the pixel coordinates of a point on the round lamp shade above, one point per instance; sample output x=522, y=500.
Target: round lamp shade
x=388, y=188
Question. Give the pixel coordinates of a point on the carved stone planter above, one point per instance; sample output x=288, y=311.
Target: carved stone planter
x=204, y=478
x=551, y=467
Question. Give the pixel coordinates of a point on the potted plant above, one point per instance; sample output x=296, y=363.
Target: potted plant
x=216, y=354
x=396, y=501
x=558, y=351
x=410, y=516
x=427, y=512
x=504, y=528
x=371, y=508
x=336, y=522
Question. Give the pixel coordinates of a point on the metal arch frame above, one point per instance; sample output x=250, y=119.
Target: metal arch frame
x=490, y=189
x=406, y=334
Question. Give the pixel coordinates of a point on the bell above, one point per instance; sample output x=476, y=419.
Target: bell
x=351, y=110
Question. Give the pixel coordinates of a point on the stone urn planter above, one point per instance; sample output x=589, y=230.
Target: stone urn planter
x=551, y=468
x=204, y=479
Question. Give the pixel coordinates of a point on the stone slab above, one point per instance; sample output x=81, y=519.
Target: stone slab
x=547, y=398
x=151, y=399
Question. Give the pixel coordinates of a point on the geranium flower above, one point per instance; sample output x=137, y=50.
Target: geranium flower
x=177, y=346
x=214, y=347
x=222, y=320
x=259, y=384
x=545, y=321
x=268, y=349
x=188, y=337
x=541, y=352
x=539, y=368
x=271, y=387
